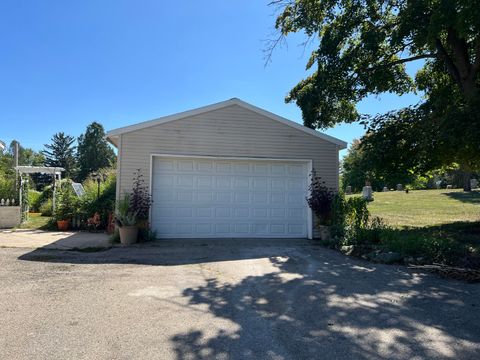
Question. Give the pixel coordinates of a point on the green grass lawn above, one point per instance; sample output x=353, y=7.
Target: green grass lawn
x=422, y=208
x=35, y=221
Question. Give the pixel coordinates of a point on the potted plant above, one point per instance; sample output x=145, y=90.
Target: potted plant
x=126, y=220
x=140, y=203
x=66, y=208
x=321, y=201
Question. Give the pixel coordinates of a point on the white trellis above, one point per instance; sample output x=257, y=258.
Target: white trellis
x=56, y=172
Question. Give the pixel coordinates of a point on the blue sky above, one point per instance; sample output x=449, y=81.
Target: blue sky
x=64, y=64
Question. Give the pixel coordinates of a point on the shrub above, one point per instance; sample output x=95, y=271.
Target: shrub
x=46, y=208
x=432, y=245
x=356, y=212
x=7, y=187
x=34, y=198
x=140, y=199
x=91, y=203
x=147, y=234
x=357, y=226
x=320, y=199
x=66, y=202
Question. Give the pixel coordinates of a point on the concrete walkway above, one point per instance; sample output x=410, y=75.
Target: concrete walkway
x=58, y=240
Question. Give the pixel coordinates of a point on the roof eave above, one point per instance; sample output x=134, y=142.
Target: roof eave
x=112, y=139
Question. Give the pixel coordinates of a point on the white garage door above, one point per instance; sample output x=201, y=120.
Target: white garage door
x=205, y=197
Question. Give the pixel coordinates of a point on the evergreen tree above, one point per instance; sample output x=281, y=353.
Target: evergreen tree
x=93, y=151
x=61, y=153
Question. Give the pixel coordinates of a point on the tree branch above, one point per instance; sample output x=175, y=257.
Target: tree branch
x=447, y=60
x=402, y=61
x=271, y=45
x=413, y=58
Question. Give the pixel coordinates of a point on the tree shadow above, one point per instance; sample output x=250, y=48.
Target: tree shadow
x=471, y=197
x=324, y=305
x=171, y=252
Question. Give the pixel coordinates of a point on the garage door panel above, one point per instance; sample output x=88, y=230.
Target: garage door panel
x=242, y=212
x=223, y=182
x=185, y=181
x=241, y=229
x=184, y=196
x=163, y=196
x=229, y=198
x=260, y=169
x=296, y=228
x=241, y=197
x=277, y=198
x=278, y=169
x=222, y=212
x=205, y=182
x=203, y=228
x=205, y=166
x=223, y=197
x=184, y=165
x=260, y=198
x=223, y=167
x=204, y=212
x=295, y=198
x=241, y=168
x=204, y=197
x=222, y=229
x=277, y=213
x=260, y=213
x=293, y=184
x=296, y=213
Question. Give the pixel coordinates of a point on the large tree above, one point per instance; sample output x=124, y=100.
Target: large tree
x=363, y=47
x=61, y=153
x=93, y=151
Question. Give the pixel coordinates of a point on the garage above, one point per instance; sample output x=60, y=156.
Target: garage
x=226, y=170
x=229, y=198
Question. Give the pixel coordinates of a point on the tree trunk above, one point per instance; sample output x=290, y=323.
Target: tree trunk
x=467, y=186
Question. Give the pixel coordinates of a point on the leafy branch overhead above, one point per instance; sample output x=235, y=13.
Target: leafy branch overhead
x=363, y=47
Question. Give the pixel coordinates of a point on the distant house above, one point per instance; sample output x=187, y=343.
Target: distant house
x=228, y=170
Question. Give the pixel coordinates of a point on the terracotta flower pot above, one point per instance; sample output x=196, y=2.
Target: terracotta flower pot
x=128, y=234
x=63, y=225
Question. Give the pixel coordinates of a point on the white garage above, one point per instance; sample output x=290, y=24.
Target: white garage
x=227, y=170
x=233, y=198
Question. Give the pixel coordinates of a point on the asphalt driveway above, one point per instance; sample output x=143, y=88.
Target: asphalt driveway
x=205, y=300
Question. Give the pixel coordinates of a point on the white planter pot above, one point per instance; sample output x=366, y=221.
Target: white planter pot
x=128, y=234
x=325, y=232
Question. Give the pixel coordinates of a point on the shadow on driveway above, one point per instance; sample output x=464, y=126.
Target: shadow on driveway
x=173, y=252
x=309, y=302
x=326, y=306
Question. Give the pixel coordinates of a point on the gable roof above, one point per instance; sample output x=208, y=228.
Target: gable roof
x=113, y=135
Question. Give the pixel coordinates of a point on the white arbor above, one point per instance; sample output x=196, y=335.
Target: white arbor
x=56, y=172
